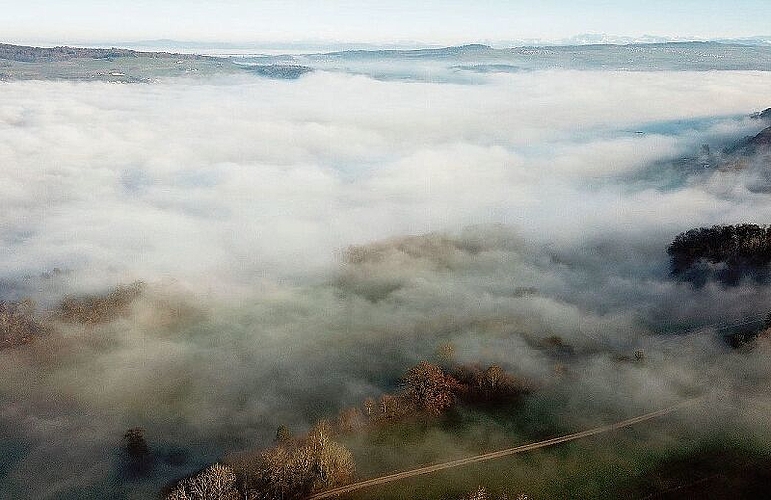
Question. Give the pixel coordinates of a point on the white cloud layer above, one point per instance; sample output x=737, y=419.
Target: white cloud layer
x=259, y=177
x=550, y=215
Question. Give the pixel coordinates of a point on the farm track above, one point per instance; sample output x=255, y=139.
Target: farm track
x=499, y=454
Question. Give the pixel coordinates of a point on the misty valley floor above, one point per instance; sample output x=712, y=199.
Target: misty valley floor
x=211, y=257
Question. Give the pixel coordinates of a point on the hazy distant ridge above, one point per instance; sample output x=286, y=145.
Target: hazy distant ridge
x=458, y=64
x=22, y=53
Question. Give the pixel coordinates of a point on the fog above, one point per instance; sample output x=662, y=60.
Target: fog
x=305, y=242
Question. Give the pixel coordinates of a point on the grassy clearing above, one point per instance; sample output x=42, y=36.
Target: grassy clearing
x=631, y=463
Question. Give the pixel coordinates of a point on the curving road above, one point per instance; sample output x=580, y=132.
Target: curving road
x=499, y=454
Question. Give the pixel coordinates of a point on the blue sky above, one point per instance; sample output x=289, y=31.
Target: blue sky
x=430, y=21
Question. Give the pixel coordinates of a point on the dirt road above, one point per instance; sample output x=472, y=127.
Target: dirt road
x=499, y=454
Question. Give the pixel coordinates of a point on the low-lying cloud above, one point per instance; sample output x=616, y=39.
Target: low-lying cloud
x=304, y=242
x=183, y=178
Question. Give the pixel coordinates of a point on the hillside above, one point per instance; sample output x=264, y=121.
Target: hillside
x=19, y=62
x=23, y=53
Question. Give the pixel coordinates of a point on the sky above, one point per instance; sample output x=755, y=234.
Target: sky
x=371, y=21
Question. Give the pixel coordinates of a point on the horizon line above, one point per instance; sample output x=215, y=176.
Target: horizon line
x=341, y=45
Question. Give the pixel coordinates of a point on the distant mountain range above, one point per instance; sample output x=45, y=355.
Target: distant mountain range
x=315, y=46
x=456, y=64
x=601, y=38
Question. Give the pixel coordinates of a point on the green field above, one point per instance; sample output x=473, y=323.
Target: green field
x=650, y=458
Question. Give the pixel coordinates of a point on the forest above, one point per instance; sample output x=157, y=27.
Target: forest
x=726, y=253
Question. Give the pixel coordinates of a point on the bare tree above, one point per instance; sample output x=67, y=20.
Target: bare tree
x=217, y=482
x=430, y=388
x=350, y=420
x=492, y=385
x=293, y=469
x=369, y=407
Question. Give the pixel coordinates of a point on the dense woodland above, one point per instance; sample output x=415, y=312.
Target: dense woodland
x=726, y=254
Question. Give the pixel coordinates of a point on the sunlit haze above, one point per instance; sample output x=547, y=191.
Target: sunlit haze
x=430, y=22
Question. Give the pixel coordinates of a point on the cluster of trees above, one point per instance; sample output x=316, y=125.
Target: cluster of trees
x=280, y=71
x=136, y=452
x=94, y=309
x=217, y=482
x=428, y=390
x=489, y=386
x=724, y=253
x=294, y=468
x=18, y=324
x=431, y=390
x=747, y=338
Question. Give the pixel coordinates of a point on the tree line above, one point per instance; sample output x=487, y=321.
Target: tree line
x=295, y=467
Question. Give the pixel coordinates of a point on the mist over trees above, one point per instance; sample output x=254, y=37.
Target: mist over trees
x=723, y=253
x=489, y=215
x=216, y=482
x=99, y=308
x=18, y=324
x=295, y=467
x=430, y=388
